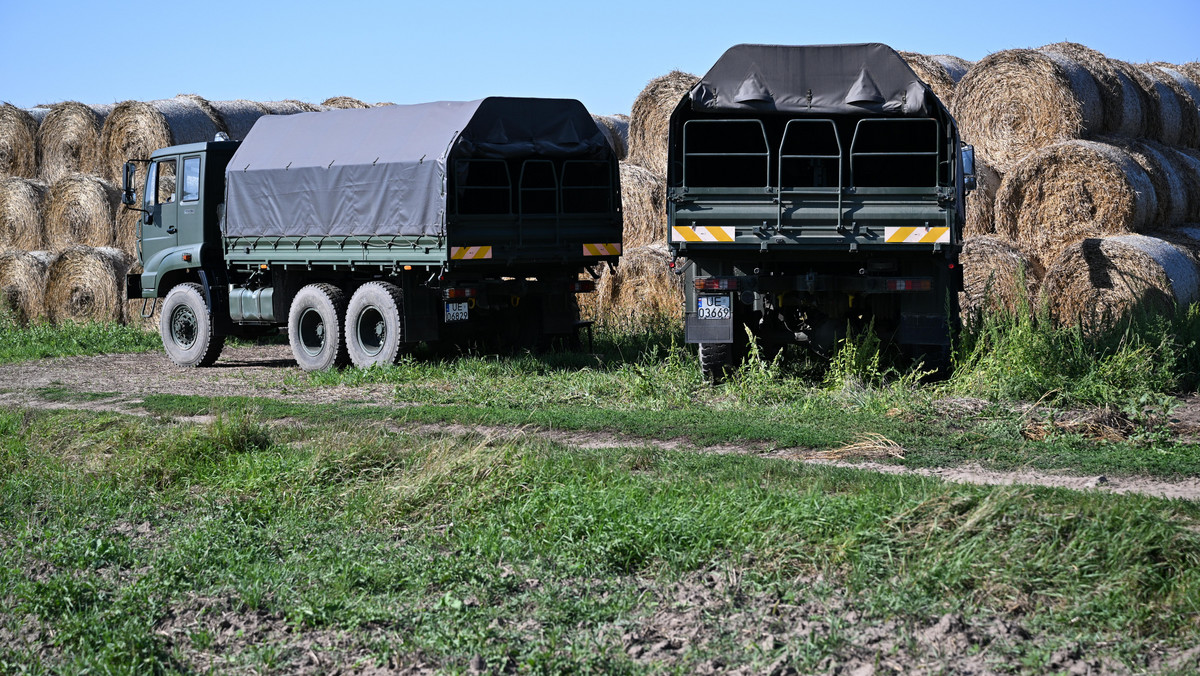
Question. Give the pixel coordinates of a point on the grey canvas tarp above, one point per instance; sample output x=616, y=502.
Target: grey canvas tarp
x=821, y=79
x=382, y=171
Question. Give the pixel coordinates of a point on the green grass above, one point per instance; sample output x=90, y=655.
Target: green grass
x=42, y=341
x=135, y=546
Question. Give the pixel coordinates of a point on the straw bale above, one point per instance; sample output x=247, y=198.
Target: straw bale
x=1165, y=173
x=651, y=116
x=38, y=113
x=981, y=203
x=18, y=142
x=1071, y=191
x=125, y=229
x=86, y=284
x=642, y=287
x=344, y=102
x=1187, y=164
x=208, y=109
x=956, y=67
x=21, y=203
x=1017, y=101
x=616, y=130
x=1191, y=70
x=80, y=209
x=69, y=140
x=1169, y=124
x=643, y=205
x=1097, y=282
x=135, y=129
x=1188, y=94
x=22, y=283
x=1124, y=106
x=997, y=277
x=289, y=107
x=932, y=73
x=238, y=116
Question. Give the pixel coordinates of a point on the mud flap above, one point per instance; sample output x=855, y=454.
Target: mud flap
x=708, y=330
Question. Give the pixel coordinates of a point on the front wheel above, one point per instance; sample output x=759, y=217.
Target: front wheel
x=375, y=324
x=315, y=327
x=186, y=327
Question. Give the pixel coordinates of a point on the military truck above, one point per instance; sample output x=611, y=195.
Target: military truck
x=812, y=189
x=366, y=231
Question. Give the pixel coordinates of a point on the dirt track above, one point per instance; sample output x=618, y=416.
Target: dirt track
x=267, y=372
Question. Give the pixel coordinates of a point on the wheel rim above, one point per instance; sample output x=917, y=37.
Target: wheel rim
x=184, y=327
x=312, y=332
x=371, y=330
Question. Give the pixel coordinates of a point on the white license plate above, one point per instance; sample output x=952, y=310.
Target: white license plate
x=714, y=307
x=456, y=312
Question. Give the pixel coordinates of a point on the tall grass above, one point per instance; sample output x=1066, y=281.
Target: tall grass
x=41, y=340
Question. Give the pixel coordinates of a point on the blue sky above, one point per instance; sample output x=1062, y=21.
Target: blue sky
x=601, y=53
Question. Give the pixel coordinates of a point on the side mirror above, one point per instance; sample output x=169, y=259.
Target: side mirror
x=128, y=196
x=968, y=168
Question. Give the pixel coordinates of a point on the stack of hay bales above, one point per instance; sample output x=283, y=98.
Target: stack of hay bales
x=1088, y=152
x=616, y=130
x=65, y=242
x=941, y=72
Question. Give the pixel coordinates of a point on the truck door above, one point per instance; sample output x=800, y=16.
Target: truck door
x=160, y=231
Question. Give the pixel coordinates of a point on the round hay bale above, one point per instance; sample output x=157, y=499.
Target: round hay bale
x=616, y=130
x=1168, y=123
x=81, y=209
x=125, y=230
x=21, y=203
x=933, y=74
x=1165, y=173
x=1071, y=191
x=69, y=140
x=238, y=116
x=1187, y=164
x=18, y=142
x=289, y=107
x=956, y=67
x=1187, y=94
x=651, y=116
x=342, y=102
x=86, y=284
x=997, y=277
x=643, y=206
x=1124, y=107
x=641, y=288
x=38, y=114
x=981, y=204
x=134, y=129
x=1017, y=101
x=1097, y=282
x=22, y=283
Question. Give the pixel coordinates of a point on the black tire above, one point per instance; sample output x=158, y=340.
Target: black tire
x=186, y=327
x=716, y=361
x=375, y=325
x=315, y=327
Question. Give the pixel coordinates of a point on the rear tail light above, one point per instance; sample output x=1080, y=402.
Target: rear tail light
x=716, y=284
x=459, y=292
x=909, y=285
x=583, y=286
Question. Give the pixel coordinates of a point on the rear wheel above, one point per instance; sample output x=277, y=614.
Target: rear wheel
x=186, y=327
x=375, y=324
x=716, y=361
x=315, y=327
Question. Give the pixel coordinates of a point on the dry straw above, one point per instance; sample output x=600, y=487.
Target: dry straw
x=238, y=116
x=641, y=288
x=643, y=203
x=289, y=107
x=616, y=129
x=21, y=203
x=1169, y=124
x=651, y=116
x=1187, y=163
x=69, y=140
x=1097, y=282
x=997, y=277
x=81, y=209
x=18, y=142
x=1166, y=175
x=85, y=284
x=1125, y=109
x=1187, y=97
x=342, y=102
x=956, y=67
x=933, y=73
x=22, y=283
x=981, y=203
x=1071, y=191
x=1015, y=102
x=135, y=129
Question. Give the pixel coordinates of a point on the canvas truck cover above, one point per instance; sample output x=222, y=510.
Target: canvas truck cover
x=860, y=79
x=382, y=171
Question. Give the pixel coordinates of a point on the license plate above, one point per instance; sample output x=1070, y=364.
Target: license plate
x=456, y=312
x=714, y=307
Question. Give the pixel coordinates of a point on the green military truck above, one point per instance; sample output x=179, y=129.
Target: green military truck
x=366, y=231
x=811, y=189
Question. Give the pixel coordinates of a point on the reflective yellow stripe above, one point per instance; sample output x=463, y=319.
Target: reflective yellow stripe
x=721, y=234
x=467, y=253
x=900, y=235
x=934, y=235
x=686, y=234
x=601, y=249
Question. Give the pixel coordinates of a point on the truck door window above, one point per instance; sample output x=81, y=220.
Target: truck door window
x=165, y=181
x=191, y=179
